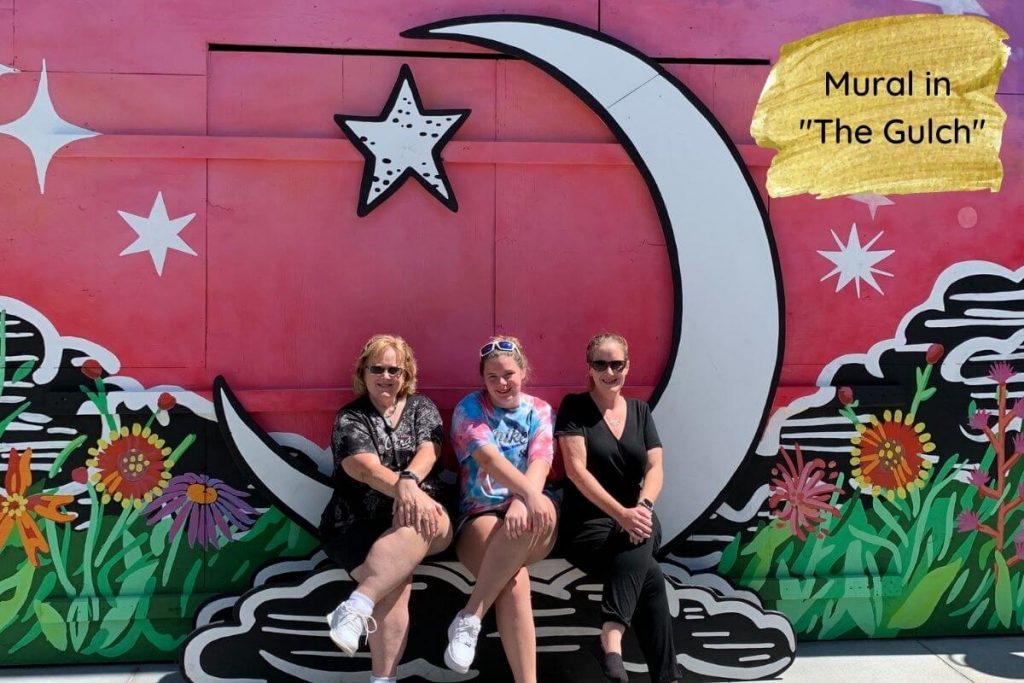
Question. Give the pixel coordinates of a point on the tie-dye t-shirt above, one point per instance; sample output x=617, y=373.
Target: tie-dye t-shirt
x=522, y=435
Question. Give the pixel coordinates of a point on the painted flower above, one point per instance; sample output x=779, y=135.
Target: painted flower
x=1018, y=442
x=799, y=493
x=1001, y=372
x=166, y=401
x=845, y=395
x=16, y=509
x=130, y=466
x=980, y=419
x=978, y=478
x=888, y=455
x=204, y=505
x=968, y=520
x=92, y=369
x=1018, y=543
x=1018, y=408
x=934, y=354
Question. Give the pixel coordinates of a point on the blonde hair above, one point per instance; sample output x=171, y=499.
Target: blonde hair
x=599, y=339
x=376, y=346
x=517, y=355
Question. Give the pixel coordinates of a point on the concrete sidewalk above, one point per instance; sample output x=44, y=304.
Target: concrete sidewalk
x=932, y=660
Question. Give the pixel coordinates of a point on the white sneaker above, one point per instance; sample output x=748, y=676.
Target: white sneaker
x=462, y=635
x=348, y=626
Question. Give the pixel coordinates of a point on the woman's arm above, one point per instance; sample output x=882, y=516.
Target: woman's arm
x=654, y=475
x=508, y=475
x=367, y=468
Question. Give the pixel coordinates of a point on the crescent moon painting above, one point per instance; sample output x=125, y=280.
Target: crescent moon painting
x=205, y=222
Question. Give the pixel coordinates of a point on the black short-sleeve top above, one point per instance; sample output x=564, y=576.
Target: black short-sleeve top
x=360, y=428
x=617, y=464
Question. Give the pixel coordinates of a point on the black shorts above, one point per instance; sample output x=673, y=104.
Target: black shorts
x=348, y=550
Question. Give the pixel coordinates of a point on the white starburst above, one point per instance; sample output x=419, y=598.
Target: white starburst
x=157, y=233
x=957, y=6
x=43, y=131
x=855, y=262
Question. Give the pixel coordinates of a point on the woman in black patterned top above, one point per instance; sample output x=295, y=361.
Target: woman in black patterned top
x=386, y=513
x=612, y=457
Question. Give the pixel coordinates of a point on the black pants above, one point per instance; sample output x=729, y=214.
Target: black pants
x=634, y=587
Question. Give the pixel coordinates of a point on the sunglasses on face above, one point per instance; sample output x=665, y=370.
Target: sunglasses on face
x=391, y=370
x=491, y=347
x=602, y=365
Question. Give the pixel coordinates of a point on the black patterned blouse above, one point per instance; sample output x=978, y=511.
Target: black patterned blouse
x=359, y=428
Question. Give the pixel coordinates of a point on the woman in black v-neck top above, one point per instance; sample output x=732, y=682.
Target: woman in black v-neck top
x=612, y=456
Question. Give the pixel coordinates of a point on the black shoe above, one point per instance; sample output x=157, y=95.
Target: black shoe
x=611, y=663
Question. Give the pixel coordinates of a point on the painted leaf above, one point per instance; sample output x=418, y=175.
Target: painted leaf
x=52, y=624
x=22, y=371
x=1004, y=598
x=922, y=599
x=20, y=583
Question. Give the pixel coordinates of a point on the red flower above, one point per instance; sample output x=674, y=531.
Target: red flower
x=888, y=455
x=92, y=369
x=934, y=354
x=845, y=395
x=799, y=494
x=130, y=468
x=17, y=510
x=166, y=401
x=80, y=475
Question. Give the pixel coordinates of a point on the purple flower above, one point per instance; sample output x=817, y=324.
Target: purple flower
x=1018, y=409
x=205, y=505
x=1018, y=542
x=1018, y=443
x=968, y=521
x=978, y=478
x=980, y=419
x=1001, y=372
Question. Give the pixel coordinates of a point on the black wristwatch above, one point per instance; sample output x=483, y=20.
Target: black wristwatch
x=646, y=503
x=409, y=474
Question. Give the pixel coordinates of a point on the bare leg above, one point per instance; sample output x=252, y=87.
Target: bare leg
x=387, y=643
x=394, y=556
x=498, y=564
x=611, y=636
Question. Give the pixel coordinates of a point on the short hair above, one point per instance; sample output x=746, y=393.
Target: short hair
x=376, y=346
x=517, y=355
x=599, y=339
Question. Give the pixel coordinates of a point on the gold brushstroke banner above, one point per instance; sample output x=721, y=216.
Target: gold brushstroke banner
x=887, y=124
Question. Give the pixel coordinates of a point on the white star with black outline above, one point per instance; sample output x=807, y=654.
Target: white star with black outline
x=157, y=233
x=404, y=141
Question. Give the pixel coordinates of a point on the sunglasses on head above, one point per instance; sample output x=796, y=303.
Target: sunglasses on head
x=602, y=365
x=503, y=345
x=391, y=370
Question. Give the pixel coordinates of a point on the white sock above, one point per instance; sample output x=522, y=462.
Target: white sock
x=361, y=603
x=383, y=679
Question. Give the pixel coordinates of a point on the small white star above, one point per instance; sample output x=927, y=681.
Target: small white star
x=854, y=262
x=43, y=131
x=157, y=233
x=873, y=201
x=957, y=6
x=404, y=140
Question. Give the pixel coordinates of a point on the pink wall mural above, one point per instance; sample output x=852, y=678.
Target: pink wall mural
x=209, y=210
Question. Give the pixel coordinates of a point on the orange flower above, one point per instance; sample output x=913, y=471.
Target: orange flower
x=889, y=455
x=16, y=509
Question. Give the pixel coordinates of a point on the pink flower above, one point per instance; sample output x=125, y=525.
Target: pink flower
x=1018, y=443
x=1001, y=372
x=934, y=353
x=968, y=521
x=1018, y=409
x=800, y=494
x=980, y=419
x=845, y=395
x=978, y=478
x=1018, y=542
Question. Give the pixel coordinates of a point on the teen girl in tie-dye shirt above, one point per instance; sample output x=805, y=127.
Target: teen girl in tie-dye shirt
x=503, y=439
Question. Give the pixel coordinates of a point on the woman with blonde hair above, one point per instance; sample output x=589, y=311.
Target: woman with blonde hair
x=613, y=460
x=385, y=515
x=503, y=440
